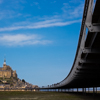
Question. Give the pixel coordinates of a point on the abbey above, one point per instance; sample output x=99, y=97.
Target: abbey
x=7, y=72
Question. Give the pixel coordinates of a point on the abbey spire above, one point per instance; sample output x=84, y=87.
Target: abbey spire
x=4, y=61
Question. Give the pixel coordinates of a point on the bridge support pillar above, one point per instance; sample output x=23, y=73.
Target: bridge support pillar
x=88, y=90
x=77, y=90
x=96, y=90
x=93, y=91
x=83, y=90
x=72, y=89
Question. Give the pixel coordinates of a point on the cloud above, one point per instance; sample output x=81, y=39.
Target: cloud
x=67, y=10
x=6, y=14
x=66, y=7
x=42, y=24
x=22, y=39
x=78, y=11
x=72, y=12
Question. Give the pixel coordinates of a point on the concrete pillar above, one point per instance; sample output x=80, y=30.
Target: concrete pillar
x=65, y=90
x=72, y=89
x=88, y=89
x=93, y=91
x=77, y=90
x=83, y=90
x=96, y=89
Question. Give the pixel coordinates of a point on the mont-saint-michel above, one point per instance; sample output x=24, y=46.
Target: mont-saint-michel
x=9, y=79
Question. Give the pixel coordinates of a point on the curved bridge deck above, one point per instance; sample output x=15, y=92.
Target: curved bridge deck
x=85, y=71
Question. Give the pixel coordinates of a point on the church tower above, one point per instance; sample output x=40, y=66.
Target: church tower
x=4, y=65
x=4, y=62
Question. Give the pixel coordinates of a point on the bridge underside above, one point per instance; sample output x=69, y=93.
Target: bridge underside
x=88, y=71
x=85, y=71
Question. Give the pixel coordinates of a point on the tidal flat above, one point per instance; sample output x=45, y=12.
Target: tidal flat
x=28, y=95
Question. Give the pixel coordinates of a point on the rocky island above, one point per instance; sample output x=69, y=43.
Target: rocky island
x=10, y=81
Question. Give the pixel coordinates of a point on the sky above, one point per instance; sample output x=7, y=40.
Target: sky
x=39, y=38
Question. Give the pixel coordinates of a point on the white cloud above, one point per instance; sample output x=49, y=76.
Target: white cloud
x=22, y=39
x=78, y=11
x=72, y=12
x=42, y=24
x=69, y=15
x=6, y=14
x=66, y=8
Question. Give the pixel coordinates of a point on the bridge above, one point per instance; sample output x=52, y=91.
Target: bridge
x=85, y=71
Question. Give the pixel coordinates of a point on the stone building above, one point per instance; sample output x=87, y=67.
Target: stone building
x=7, y=72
